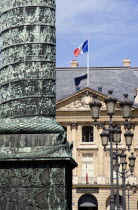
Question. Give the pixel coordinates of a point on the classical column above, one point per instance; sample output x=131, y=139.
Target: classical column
x=101, y=177
x=35, y=158
x=28, y=56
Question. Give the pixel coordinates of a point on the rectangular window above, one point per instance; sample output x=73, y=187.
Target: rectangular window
x=87, y=134
x=77, y=88
x=100, y=89
x=87, y=167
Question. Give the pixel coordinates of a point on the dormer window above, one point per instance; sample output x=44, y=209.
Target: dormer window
x=100, y=89
x=77, y=88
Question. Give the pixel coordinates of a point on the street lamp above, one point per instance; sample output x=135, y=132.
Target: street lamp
x=126, y=106
x=110, y=102
x=132, y=160
x=117, y=136
x=117, y=140
x=114, y=162
x=124, y=173
x=134, y=187
x=129, y=187
x=112, y=134
x=105, y=138
x=122, y=158
x=95, y=106
x=107, y=134
x=128, y=138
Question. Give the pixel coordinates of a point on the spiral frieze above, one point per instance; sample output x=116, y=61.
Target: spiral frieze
x=28, y=56
x=8, y=5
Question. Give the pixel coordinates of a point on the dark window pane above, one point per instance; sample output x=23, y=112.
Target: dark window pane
x=100, y=89
x=87, y=134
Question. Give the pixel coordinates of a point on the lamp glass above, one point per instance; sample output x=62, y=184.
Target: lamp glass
x=105, y=138
x=128, y=138
x=117, y=136
x=126, y=111
x=126, y=107
x=114, y=161
x=132, y=160
x=123, y=158
x=124, y=166
x=95, y=112
x=131, y=168
x=134, y=187
x=95, y=106
x=110, y=105
x=128, y=186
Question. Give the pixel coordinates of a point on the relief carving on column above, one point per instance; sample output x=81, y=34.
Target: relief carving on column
x=28, y=56
x=32, y=188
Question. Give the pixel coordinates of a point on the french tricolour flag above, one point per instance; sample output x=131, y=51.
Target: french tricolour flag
x=87, y=178
x=83, y=48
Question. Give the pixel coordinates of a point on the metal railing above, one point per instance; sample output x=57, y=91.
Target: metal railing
x=91, y=180
x=94, y=180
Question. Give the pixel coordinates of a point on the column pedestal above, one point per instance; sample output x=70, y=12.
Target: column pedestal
x=35, y=172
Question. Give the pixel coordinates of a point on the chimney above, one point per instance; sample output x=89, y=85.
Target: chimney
x=126, y=62
x=74, y=63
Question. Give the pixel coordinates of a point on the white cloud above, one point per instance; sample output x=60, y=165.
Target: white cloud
x=96, y=16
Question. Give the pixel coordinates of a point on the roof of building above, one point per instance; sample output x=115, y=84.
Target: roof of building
x=120, y=79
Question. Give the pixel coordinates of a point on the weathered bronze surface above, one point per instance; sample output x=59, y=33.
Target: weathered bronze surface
x=35, y=158
x=27, y=78
x=16, y=146
x=36, y=186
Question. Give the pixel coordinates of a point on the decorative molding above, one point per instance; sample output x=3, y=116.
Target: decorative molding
x=27, y=146
x=81, y=104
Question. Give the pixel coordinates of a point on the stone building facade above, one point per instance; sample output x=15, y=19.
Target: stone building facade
x=73, y=113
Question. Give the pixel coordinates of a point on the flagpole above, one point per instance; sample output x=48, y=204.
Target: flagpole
x=88, y=66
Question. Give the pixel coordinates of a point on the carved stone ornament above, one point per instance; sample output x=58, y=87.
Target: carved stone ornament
x=73, y=125
x=81, y=104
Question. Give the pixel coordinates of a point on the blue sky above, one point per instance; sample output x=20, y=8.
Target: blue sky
x=112, y=26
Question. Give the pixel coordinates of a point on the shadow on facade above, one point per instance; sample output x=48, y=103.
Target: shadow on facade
x=87, y=202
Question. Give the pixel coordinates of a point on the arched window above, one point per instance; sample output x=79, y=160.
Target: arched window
x=88, y=201
x=87, y=134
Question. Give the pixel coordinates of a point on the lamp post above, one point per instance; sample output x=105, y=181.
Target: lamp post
x=117, y=140
x=109, y=133
x=133, y=188
x=124, y=173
